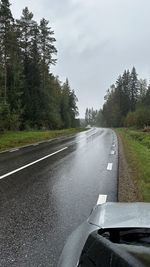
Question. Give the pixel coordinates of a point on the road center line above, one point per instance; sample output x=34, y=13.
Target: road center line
x=109, y=166
x=101, y=199
x=32, y=163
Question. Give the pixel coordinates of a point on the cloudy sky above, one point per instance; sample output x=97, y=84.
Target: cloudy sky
x=96, y=41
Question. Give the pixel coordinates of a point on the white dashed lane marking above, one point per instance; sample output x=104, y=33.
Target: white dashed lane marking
x=109, y=166
x=101, y=199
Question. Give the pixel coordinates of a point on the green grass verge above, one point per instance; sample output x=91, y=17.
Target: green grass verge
x=17, y=139
x=137, y=151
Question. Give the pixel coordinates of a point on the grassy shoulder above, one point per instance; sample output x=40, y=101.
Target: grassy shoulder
x=17, y=139
x=137, y=151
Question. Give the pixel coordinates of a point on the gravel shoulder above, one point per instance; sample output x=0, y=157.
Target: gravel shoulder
x=127, y=189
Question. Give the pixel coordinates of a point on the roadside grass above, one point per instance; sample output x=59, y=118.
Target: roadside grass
x=137, y=151
x=16, y=139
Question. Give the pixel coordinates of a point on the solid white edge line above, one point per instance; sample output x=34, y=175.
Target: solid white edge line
x=13, y=150
x=101, y=199
x=109, y=166
x=32, y=163
x=36, y=144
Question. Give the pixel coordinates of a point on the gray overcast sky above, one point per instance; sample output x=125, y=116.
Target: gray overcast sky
x=96, y=41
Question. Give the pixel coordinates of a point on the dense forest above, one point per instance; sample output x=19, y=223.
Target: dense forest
x=31, y=97
x=127, y=103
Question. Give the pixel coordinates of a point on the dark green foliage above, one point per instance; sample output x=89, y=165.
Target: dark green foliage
x=30, y=96
x=69, y=109
x=146, y=98
x=133, y=89
x=8, y=120
x=139, y=118
x=6, y=31
x=127, y=103
x=10, y=68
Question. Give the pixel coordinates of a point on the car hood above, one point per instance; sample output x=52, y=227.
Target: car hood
x=121, y=215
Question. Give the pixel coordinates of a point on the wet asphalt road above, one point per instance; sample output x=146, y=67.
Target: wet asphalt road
x=42, y=204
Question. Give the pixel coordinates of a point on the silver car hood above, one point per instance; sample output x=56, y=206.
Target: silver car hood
x=121, y=215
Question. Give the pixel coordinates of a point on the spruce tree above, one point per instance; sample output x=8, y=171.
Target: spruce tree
x=133, y=89
x=25, y=31
x=69, y=109
x=47, y=49
x=126, y=92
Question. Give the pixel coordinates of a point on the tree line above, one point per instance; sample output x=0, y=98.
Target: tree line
x=30, y=95
x=127, y=102
x=91, y=117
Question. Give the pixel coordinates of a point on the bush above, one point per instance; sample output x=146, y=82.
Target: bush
x=8, y=120
x=4, y=117
x=143, y=117
x=130, y=120
x=140, y=118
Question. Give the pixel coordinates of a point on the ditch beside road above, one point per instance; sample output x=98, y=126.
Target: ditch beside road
x=134, y=167
x=127, y=188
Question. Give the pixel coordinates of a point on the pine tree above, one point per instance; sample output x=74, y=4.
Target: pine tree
x=36, y=103
x=24, y=26
x=6, y=27
x=11, y=84
x=47, y=49
x=30, y=96
x=126, y=92
x=25, y=34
